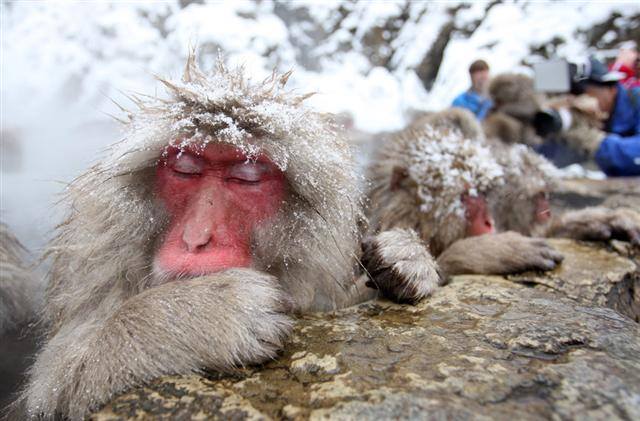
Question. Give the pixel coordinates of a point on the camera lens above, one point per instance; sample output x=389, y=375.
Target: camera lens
x=547, y=122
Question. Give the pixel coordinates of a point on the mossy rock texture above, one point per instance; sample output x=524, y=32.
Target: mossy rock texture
x=562, y=345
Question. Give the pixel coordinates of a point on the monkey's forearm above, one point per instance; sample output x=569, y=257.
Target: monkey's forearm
x=216, y=322
x=579, y=225
x=497, y=254
x=598, y=224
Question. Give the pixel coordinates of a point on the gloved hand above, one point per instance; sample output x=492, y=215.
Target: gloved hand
x=585, y=134
x=584, y=139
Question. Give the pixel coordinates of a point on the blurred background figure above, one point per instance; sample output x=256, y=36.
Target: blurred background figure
x=587, y=115
x=627, y=63
x=476, y=99
x=618, y=150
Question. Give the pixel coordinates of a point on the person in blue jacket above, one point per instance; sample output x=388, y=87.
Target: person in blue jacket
x=618, y=154
x=476, y=99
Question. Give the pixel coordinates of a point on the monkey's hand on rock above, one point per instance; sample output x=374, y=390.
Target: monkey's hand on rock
x=498, y=254
x=599, y=224
x=400, y=265
x=218, y=322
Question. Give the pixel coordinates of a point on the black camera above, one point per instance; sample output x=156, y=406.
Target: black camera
x=550, y=121
x=562, y=77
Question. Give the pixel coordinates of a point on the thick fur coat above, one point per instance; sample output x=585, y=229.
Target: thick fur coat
x=419, y=177
x=515, y=104
x=528, y=176
x=109, y=331
x=418, y=181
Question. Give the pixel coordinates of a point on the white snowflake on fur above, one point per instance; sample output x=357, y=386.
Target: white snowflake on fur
x=224, y=106
x=520, y=160
x=445, y=166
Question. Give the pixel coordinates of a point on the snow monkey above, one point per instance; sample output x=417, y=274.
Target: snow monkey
x=431, y=184
x=515, y=106
x=521, y=115
x=227, y=207
x=522, y=203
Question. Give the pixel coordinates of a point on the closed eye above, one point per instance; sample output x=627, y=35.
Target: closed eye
x=187, y=165
x=248, y=172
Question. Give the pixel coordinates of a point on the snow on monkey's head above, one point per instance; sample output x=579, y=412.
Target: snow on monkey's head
x=222, y=172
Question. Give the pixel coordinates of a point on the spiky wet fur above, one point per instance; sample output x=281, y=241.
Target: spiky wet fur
x=409, y=190
x=108, y=331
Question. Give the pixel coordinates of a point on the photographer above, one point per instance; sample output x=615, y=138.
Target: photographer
x=618, y=151
x=599, y=120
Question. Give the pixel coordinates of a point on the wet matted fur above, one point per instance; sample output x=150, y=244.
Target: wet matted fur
x=418, y=179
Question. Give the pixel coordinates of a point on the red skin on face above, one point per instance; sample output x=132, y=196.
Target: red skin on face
x=215, y=198
x=479, y=219
x=542, y=208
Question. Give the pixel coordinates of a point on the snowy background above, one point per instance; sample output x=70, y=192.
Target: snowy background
x=64, y=61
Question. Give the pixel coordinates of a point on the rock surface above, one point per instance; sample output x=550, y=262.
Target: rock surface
x=613, y=192
x=480, y=348
x=592, y=276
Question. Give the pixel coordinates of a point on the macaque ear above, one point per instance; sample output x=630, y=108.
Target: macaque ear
x=398, y=174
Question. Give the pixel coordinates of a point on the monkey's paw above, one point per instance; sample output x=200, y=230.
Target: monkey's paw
x=246, y=308
x=269, y=308
x=527, y=253
x=600, y=224
x=400, y=265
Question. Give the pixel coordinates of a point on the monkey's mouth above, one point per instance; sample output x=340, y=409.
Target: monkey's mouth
x=543, y=215
x=189, y=265
x=542, y=208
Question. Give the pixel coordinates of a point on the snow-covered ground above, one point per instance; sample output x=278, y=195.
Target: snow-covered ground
x=64, y=61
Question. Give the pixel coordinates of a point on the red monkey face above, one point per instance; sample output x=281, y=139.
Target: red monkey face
x=215, y=199
x=542, y=209
x=479, y=219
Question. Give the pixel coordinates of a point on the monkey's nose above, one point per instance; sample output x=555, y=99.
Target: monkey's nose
x=491, y=226
x=196, y=238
